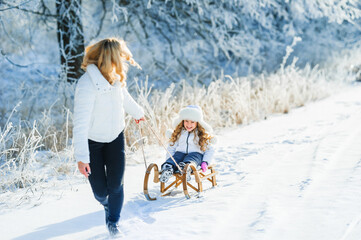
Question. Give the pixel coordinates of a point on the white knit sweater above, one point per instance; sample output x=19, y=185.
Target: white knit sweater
x=99, y=111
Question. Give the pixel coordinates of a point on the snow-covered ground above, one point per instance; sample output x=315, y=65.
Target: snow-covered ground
x=293, y=176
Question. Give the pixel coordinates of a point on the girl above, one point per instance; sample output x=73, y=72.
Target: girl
x=100, y=100
x=190, y=142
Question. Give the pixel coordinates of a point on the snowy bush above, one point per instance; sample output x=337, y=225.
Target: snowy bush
x=228, y=102
x=32, y=155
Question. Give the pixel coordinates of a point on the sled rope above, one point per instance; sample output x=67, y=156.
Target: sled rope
x=141, y=137
x=160, y=141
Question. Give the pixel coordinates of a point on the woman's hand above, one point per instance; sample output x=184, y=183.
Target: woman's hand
x=139, y=120
x=84, y=169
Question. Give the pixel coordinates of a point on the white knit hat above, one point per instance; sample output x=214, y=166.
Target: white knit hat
x=193, y=113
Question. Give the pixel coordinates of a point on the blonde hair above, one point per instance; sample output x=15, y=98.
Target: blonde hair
x=203, y=136
x=109, y=55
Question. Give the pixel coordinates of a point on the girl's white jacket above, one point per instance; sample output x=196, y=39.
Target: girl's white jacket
x=187, y=143
x=99, y=111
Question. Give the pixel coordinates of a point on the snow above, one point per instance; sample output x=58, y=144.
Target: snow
x=292, y=176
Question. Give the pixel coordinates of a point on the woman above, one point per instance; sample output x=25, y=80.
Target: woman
x=100, y=100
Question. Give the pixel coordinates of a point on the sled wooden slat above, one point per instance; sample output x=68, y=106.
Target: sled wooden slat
x=198, y=175
x=166, y=194
x=209, y=175
x=180, y=181
x=194, y=188
x=177, y=182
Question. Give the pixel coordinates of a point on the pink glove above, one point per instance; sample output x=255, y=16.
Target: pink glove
x=204, y=166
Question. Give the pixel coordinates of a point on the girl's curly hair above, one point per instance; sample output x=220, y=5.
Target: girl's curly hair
x=203, y=136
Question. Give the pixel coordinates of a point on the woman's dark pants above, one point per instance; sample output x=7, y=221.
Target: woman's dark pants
x=107, y=164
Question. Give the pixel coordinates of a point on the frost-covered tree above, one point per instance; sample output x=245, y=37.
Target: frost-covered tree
x=67, y=16
x=197, y=39
x=203, y=38
x=70, y=37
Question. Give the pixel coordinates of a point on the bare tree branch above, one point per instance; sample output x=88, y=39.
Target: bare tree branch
x=12, y=7
x=27, y=10
x=15, y=64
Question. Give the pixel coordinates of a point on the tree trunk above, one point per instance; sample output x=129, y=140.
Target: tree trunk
x=70, y=38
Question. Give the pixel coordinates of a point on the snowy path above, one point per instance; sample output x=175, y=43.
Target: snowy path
x=294, y=176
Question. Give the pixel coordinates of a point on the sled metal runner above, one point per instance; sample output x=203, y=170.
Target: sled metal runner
x=198, y=175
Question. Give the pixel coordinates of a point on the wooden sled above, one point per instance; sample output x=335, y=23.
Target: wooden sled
x=198, y=175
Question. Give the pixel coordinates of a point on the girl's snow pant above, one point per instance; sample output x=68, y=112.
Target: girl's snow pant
x=193, y=157
x=107, y=164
